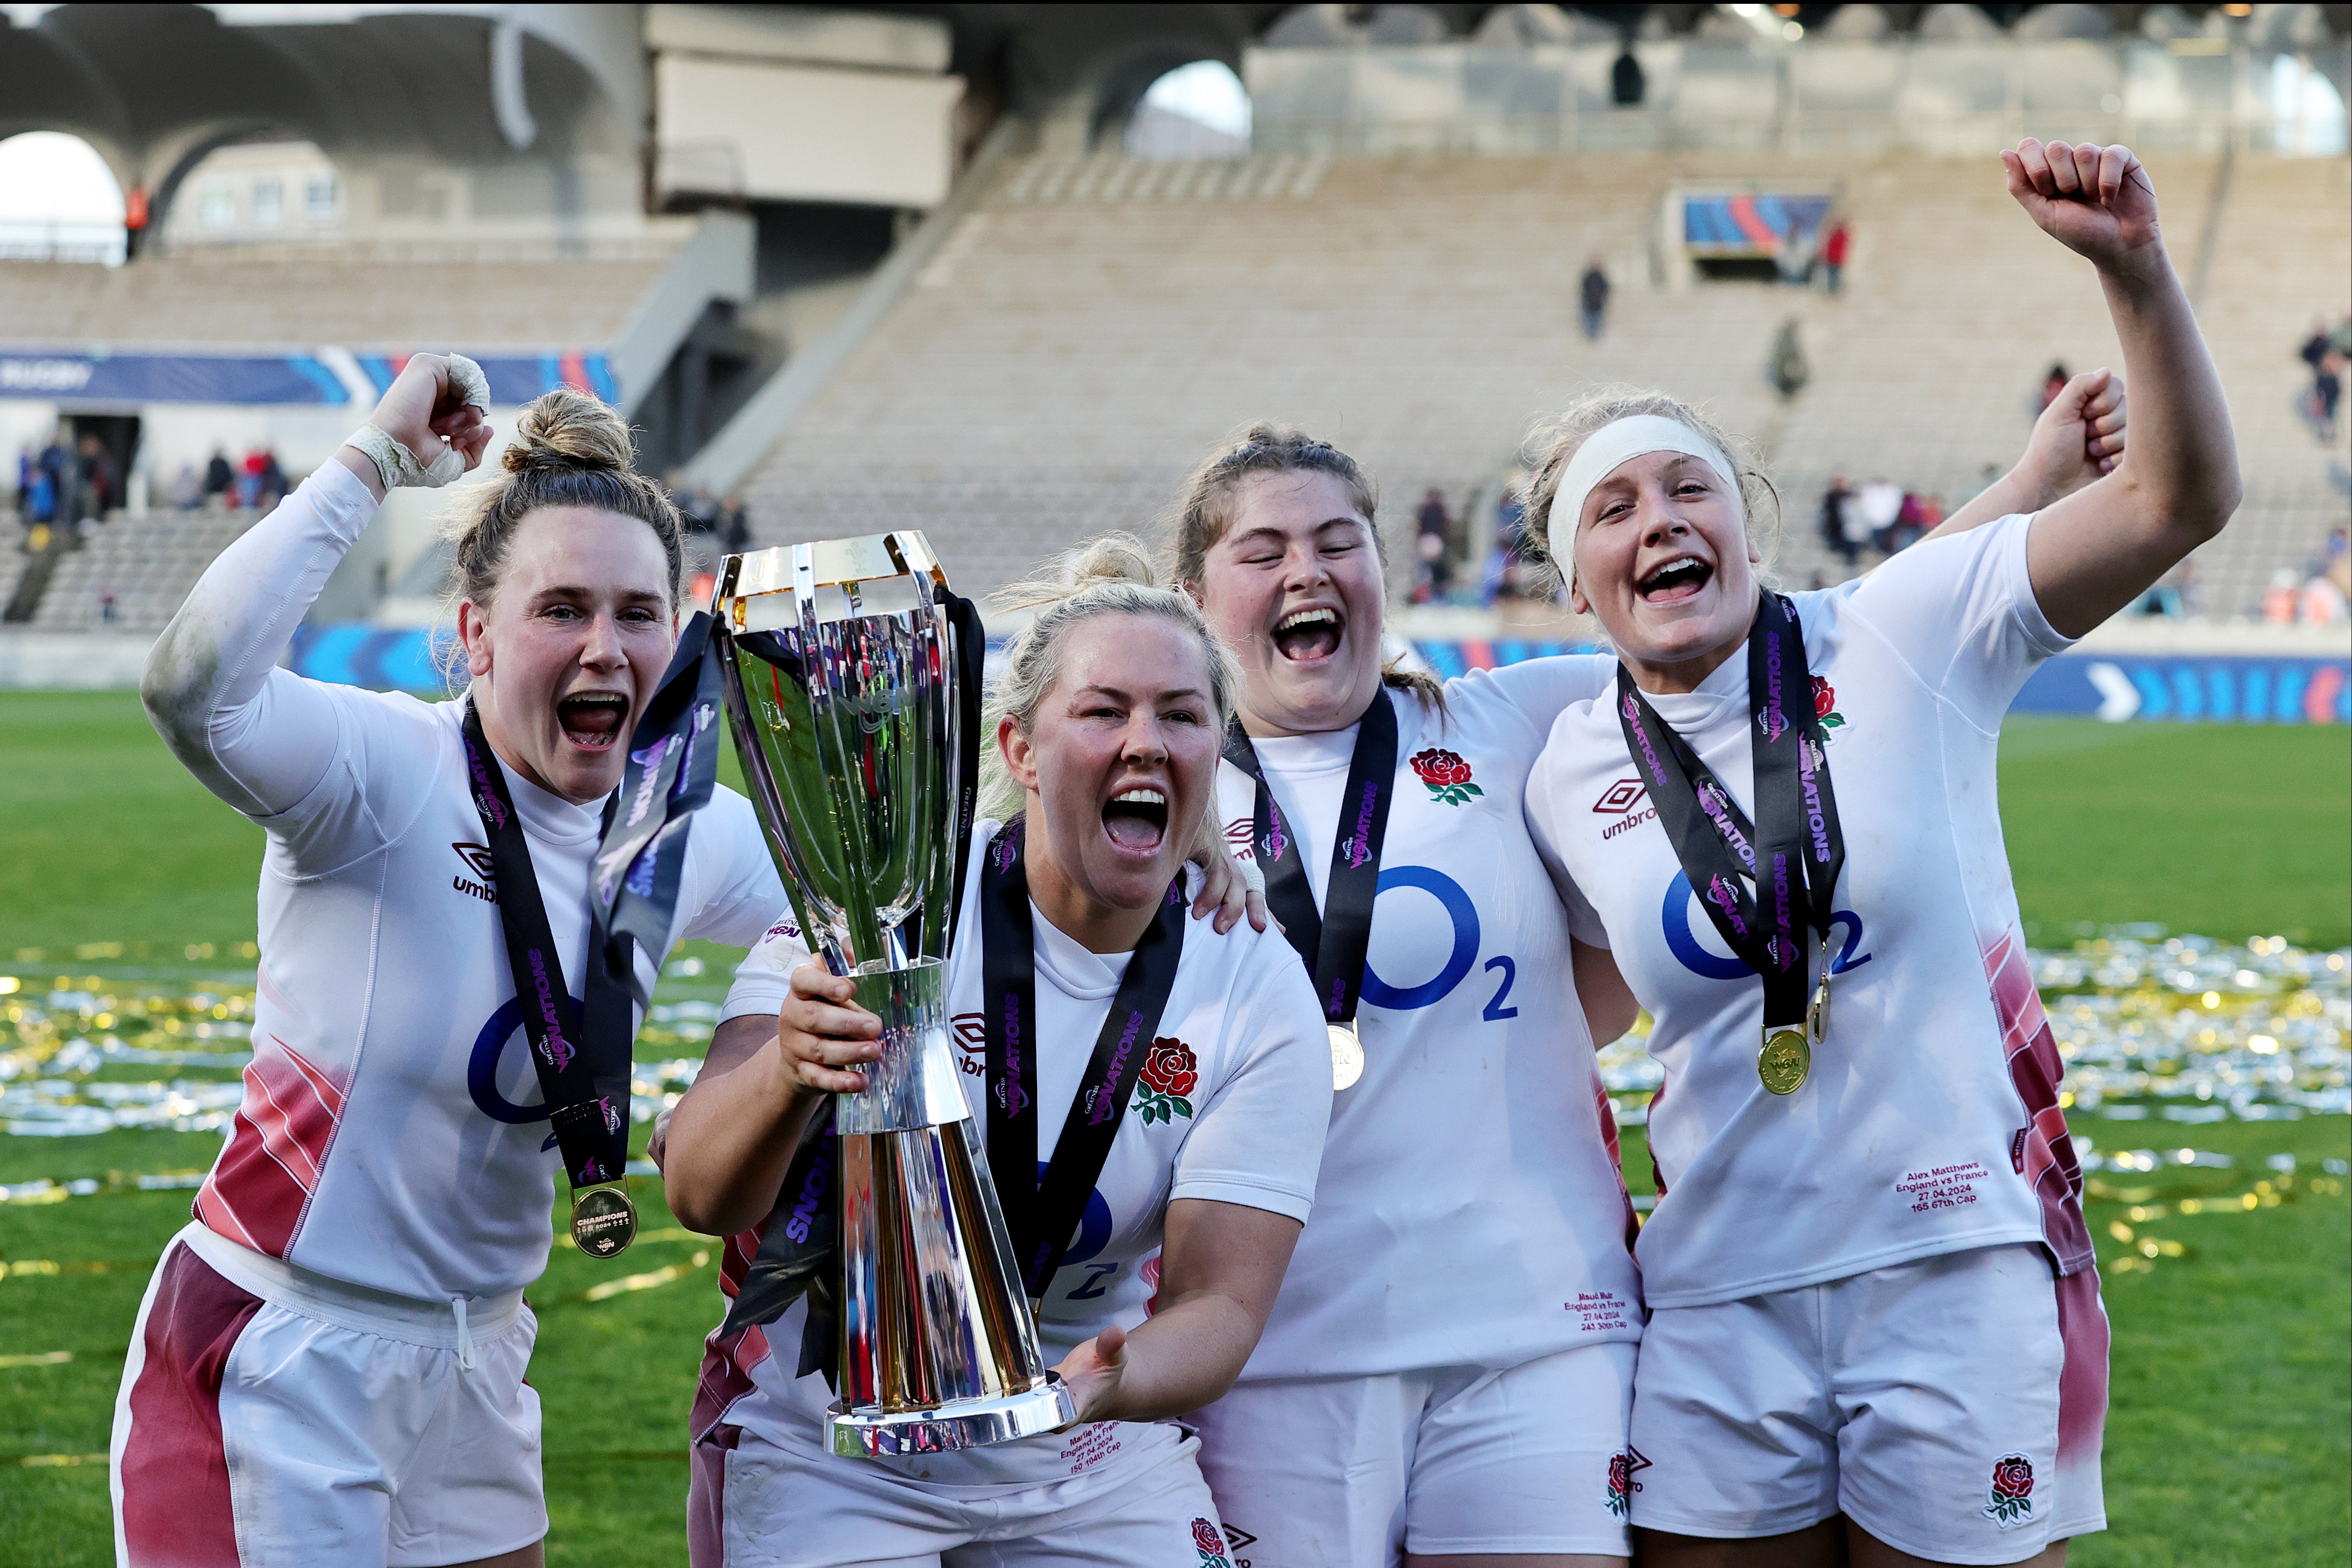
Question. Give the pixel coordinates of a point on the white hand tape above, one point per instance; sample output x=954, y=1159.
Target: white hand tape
x=397, y=466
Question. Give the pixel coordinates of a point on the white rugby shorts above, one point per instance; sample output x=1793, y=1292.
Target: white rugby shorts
x=1952, y=1407
x=760, y=1504
x=1348, y=1472
x=271, y=1418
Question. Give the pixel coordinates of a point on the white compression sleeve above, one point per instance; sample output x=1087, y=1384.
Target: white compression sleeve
x=258, y=736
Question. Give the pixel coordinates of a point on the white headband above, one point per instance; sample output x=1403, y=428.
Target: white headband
x=1612, y=444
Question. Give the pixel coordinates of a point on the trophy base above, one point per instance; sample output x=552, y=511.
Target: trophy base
x=961, y=1424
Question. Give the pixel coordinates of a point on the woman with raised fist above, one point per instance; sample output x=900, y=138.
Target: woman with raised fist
x=1875, y=1334
x=1154, y=1244
x=1459, y=1321
x=329, y=1363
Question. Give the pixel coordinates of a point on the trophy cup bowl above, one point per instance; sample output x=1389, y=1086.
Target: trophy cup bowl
x=843, y=691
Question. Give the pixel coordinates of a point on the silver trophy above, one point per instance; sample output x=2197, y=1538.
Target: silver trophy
x=843, y=685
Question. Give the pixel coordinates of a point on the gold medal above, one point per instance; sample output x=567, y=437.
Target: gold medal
x=1784, y=1060
x=603, y=1220
x=1817, y=1017
x=1346, y=1056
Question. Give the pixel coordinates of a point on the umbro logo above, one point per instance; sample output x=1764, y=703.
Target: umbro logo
x=483, y=883
x=1237, y=839
x=971, y=1042
x=1621, y=797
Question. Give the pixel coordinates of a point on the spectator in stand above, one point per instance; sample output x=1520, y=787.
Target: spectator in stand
x=1593, y=296
x=107, y=615
x=64, y=479
x=220, y=480
x=2052, y=385
x=36, y=491
x=735, y=524
x=2279, y=599
x=273, y=479
x=1789, y=370
x=1836, y=500
x=1510, y=529
x=248, y=480
x=1432, y=533
x=1880, y=503
x=1797, y=251
x=2326, y=392
x=1833, y=253
x=187, y=491
x=101, y=483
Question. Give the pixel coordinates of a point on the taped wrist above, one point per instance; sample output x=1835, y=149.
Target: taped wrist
x=397, y=466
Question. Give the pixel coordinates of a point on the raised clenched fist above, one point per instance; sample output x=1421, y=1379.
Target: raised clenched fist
x=426, y=410
x=2096, y=201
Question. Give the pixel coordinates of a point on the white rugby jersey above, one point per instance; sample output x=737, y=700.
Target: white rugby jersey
x=1471, y=1210
x=392, y=1134
x=1238, y=1088
x=1930, y=1121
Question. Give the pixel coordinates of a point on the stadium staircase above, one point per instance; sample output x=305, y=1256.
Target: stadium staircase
x=149, y=563
x=1094, y=323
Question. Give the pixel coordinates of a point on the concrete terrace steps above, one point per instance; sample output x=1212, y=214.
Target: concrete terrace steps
x=1065, y=358
x=150, y=562
x=250, y=305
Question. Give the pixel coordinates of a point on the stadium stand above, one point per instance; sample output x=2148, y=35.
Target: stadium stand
x=1097, y=321
x=360, y=298
x=147, y=564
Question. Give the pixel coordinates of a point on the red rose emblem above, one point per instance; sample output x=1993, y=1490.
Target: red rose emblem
x=1824, y=697
x=1205, y=1537
x=1171, y=1068
x=2013, y=1476
x=1621, y=1474
x=1439, y=769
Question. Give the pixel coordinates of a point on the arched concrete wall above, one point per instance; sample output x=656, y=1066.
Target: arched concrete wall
x=520, y=93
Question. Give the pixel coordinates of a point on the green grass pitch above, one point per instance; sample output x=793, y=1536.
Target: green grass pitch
x=2230, y=1442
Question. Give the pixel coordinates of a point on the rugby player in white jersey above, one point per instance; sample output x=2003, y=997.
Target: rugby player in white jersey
x=329, y=1363
x=1109, y=713
x=1876, y=1332
x=1446, y=1374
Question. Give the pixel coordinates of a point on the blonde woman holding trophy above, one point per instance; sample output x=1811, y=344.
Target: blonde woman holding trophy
x=1154, y=1092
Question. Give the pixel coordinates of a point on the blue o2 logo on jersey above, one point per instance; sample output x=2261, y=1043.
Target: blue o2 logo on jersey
x=1094, y=1235
x=482, y=1070
x=1682, y=936
x=1378, y=992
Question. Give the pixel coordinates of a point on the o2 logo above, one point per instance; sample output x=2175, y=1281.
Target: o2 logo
x=482, y=1070
x=1094, y=1235
x=1681, y=937
x=1464, y=914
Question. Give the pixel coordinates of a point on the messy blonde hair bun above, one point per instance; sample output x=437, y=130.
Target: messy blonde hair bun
x=566, y=429
x=1111, y=575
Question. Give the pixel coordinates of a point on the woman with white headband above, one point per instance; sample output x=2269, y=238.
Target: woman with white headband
x=1447, y=1373
x=1875, y=1333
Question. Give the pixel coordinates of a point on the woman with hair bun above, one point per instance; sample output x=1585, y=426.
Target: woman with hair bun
x=1875, y=1333
x=1173, y=1233
x=329, y=1363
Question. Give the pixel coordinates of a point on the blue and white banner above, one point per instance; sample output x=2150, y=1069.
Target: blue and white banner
x=328, y=377
x=302, y=379
x=2112, y=687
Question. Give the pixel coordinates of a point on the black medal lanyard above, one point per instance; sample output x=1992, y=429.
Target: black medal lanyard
x=581, y=1052
x=1793, y=864
x=1043, y=1211
x=1332, y=941
x=798, y=1253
